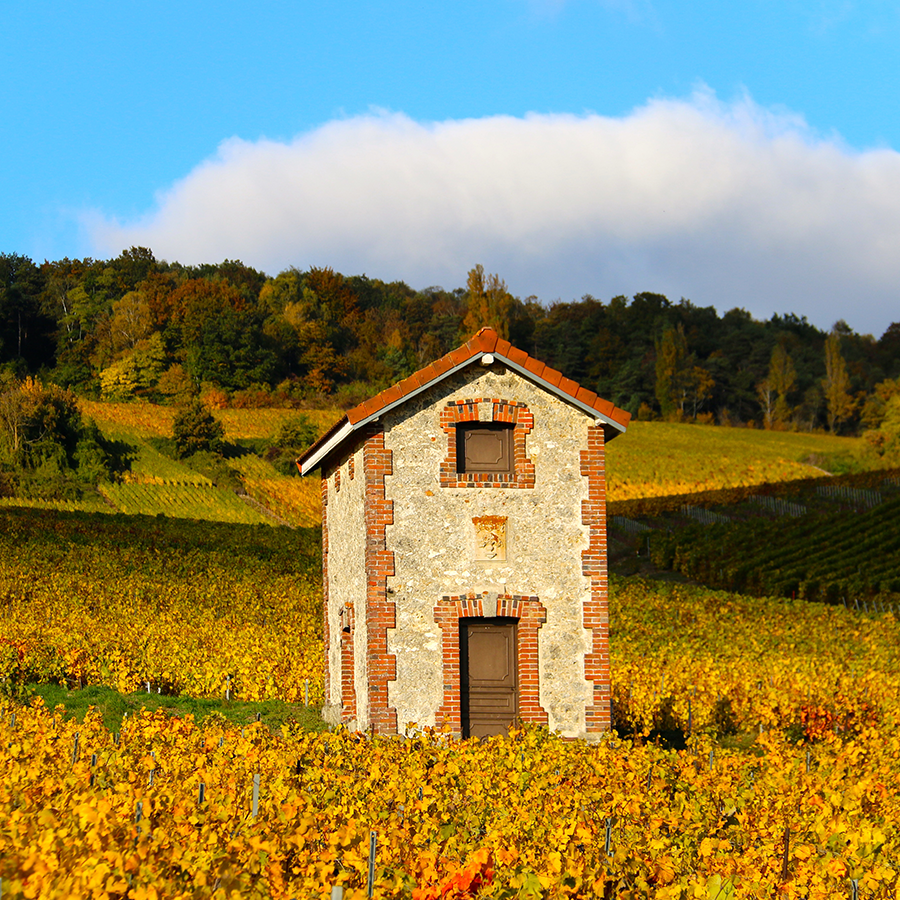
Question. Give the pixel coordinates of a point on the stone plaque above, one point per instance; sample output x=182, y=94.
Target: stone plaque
x=490, y=538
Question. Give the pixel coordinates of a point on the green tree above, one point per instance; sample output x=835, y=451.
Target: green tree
x=25, y=330
x=672, y=367
x=197, y=430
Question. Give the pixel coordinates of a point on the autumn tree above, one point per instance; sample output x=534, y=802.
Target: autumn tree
x=490, y=304
x=836, y=384
x=774, y=391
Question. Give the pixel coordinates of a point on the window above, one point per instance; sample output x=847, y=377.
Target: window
x=485, y=447
x=486, y=451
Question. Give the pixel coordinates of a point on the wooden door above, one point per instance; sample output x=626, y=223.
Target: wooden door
x=488, y=676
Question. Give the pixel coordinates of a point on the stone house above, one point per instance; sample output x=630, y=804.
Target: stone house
x=464, y=549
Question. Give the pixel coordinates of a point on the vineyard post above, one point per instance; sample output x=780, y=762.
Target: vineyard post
x=854, y=889
x=306, y=693
x=373, y=839
x=608, y=843
x=75, y=749
x=255, y=803
x=786, y=857
x=690, y=718
x=337, y=892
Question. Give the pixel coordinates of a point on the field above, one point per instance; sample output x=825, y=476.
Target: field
x=652, y=460
x=787, y=713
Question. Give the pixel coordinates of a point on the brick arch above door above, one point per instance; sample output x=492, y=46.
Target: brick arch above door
x=531, y=615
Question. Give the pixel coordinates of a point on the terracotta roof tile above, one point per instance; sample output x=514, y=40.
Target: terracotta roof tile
x=520, y=357
x=502, y=347
x=487, y=340
x=535, y=366
x=551, y=376
x=569, y=386
x=461, y=354
x=588, y=398
x=373, y=405
x=358, y=412
x=393, y=393
x=603, y=406
x=442, y=365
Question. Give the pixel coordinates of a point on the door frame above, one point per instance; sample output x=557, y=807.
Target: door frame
x=530, y=615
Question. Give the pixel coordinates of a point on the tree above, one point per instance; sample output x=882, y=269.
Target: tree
x=672, y=365
x=44, y=444
x=490, y=304
x=836, y=383
x=196, y=430
x=25, y=330
x=774, y=391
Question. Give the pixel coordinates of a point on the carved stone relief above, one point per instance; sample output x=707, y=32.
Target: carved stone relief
x=490, y=538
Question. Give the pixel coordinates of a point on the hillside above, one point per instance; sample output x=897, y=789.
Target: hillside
x=653, y=459
x=656, y=459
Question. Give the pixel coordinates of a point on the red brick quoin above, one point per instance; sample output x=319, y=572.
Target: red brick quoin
x=381, y=613
x=531, y=615
x=511, y=411
x=593, y=561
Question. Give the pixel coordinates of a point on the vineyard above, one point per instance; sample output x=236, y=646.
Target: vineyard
x=186, y=607
x=190, y=501
x=841, y=557
x=156, y=484
x=786, y=711
x=660, y=459
x=755, y=751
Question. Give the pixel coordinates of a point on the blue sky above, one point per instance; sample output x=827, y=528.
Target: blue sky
x=735, y=154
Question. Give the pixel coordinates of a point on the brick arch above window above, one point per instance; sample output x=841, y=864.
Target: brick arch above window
x=530, y=613
x=507, y=412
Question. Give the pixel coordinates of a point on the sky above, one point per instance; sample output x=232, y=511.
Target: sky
x=733, y=154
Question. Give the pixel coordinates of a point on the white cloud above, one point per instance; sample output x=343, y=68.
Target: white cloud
x=726, y=204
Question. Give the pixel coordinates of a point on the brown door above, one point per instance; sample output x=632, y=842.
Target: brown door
x=488, y=669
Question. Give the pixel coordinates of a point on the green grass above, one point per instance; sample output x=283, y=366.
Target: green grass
x=113, y=707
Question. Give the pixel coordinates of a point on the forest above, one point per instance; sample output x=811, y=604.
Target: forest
x=138, y=327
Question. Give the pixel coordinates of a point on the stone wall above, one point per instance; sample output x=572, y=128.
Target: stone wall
x=344, y=549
